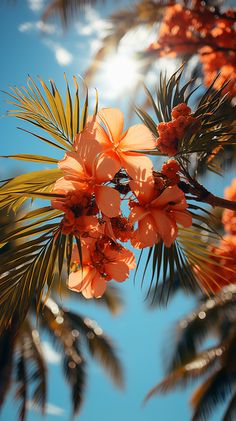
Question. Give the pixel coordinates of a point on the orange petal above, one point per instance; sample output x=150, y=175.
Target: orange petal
x=143, y=190
x=72, y=166
x=166, y=227
x=138, y=167
x=127, y=256
x=80, y=279
x=147, y=231
x=137, y=213
x=118, y=270
x=113, y=119
x=171, y=194
x=183, y=218
x=64, y=185
x=108, y=164
x=98, y=285
x=108, y=200
x=137, y=137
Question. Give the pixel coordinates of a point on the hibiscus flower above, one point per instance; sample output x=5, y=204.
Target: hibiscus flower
x=103, y=260
x=157, y=214
x=105, y=138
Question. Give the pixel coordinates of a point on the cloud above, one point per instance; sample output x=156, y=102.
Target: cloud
x=50, y=409
x=35, y=5
x=62, y=55
x=94, y=24
x=50, y=355
x=39, y=25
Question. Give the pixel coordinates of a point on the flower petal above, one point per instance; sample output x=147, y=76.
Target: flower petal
x=108, y=200
x=138, y=167
x=143, y=190
x=98, y=285
x=171, y=194
x=108, y=164
x=113, y=119
x=79, y=279
x=166, y=227
x=72, y=166
x=119, y=271
x=137, y=137
x=137, y=213
x=146, y=235
x=183, y=218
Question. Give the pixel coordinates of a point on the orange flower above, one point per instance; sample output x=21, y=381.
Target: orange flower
x=78, y=176
x=229, y=216
x=103, y=260
x=221, y=267
x=115, y=148
x=157, y=215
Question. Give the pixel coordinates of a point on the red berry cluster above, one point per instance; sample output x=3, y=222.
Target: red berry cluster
x=170, y=169
x=170, y=133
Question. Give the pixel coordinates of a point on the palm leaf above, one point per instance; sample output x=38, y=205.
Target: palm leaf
x=213, y=391
x=230, y=412
x=198, y=366
x=214, y=131
x=65, y=9
x=204, y=320
x=99, y=346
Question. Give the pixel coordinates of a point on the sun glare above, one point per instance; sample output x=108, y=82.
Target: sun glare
x=119, y=74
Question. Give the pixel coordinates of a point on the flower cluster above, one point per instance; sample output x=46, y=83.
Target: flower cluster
x=200, y=30
x=229, y=216
x=221, y=266
x=223, y=263
x=172, y=132
x=102, y=170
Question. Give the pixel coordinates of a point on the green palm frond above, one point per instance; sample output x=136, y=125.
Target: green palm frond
x=22, y=384
x=143, y=14
x=230, y=412
x=99, y=346
x=40, y=248
x=213, y=131
x=184, y=256
x=206, y=319
x=43, y=107
x=71, y=332
x=201, y=364
x=66, y=9
x=215, y=390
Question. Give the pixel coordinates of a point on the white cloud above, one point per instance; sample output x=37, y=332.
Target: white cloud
x=49, y=409
x=39, y=25
x=35, y=5
x=50, y=355
x=94, y=24
x=63, y=56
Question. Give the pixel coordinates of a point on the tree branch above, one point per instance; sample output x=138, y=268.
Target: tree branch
x=201, y=194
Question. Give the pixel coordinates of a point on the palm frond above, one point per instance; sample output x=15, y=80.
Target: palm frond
x=7, y=347
x=214, y=131
x=230, y=412
x=44, y=109
x=202, y=363
x=100, y=346
x=38, y=374
x=54, y=318
x=66, y=9
x=208, y=395
x=195, y=328
x=143, y=14
x=22, y=384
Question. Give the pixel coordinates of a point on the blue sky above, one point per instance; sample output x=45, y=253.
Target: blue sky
x=29, y=46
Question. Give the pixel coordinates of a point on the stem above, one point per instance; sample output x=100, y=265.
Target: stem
x=201, y=194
